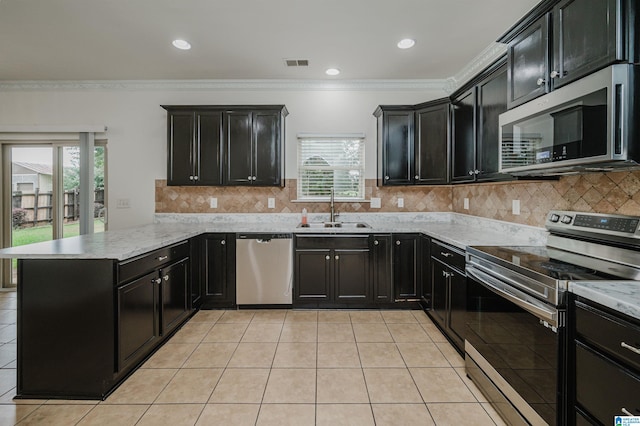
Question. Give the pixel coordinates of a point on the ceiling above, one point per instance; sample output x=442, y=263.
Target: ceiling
x=246, y=39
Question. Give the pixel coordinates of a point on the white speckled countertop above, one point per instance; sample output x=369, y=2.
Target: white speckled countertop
x=456, y=229
x=622, y=296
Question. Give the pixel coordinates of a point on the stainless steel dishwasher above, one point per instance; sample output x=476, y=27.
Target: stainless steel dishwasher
x=264, y=269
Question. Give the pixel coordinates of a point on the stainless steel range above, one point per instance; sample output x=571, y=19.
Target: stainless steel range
x=515, y=324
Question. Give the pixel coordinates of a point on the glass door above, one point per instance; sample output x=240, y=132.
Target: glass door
x=44, y=195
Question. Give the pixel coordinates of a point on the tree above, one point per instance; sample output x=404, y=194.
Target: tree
x=72, y=172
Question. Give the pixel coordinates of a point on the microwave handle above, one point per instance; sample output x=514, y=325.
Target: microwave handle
x=618, y=118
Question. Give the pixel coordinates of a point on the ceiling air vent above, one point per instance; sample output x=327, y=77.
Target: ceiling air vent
x=297, y=62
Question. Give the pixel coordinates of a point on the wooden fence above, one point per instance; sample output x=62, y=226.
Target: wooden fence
x=38, y=206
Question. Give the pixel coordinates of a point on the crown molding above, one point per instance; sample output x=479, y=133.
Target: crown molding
x=488, y=56
x=217, y=85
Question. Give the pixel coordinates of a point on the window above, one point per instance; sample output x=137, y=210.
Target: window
x=331, y=161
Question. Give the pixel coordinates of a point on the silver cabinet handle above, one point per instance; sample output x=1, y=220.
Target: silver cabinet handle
x=444, y=273
x=337, y=257
x=398, y=242
x=631, y=348
x=166, y=278
x=254, y=178
x=386, y=178
x=445, y=254
x=156, y=281
x=626, y=412
x=223, y=242
x=416, y=177
x=195, y=178
x=476, y=172
x=161, y=258
x=540, y=81
x=327, y=257
x=376, y=242
x=554, y=74
x=191, y=177
x=470, y=172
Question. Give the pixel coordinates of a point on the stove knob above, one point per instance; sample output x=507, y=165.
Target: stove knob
x=554, y=218
x=566, y=219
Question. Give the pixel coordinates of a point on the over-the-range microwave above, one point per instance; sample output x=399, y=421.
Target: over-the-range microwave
x=591, y=124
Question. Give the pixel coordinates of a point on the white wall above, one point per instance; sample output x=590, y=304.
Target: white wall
x=137, y=127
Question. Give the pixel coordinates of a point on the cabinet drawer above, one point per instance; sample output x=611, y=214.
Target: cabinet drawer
x=612, y=335
x=603, y=388
x=336, y=242
x=147, y=262
x=448, y=255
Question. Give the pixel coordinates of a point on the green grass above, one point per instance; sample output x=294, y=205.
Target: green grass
x=38, y=234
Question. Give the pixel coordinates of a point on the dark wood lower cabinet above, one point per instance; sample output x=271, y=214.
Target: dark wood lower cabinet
x=332, y=270
x=382, y=275
x=406, y=266
x=175, y=295
x=217, y=270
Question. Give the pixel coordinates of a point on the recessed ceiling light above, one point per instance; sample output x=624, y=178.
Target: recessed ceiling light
x=332, y=71
x=406, y=43
x=181, y=44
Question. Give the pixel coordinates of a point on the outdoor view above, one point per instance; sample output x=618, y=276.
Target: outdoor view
x=33, y=193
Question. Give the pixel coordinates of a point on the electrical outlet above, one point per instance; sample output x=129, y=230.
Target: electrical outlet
x=213, y=202
x=376, y=203
x=466, y=204
x=515, y=207
x=123, y=203
x=400, y=202
x=271, y=203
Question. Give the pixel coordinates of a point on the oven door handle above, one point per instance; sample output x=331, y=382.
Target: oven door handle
x=493, y=284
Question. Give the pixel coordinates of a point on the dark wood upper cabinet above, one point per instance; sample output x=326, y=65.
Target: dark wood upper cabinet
x=431, y=143
x=194, y=147
x=585, y=38
x=475, y=139
x=562, y=41
x=463, y=137
x=395, y=145
x=223, y=145
x=491, y=102
x=254, y=154
x=528, y=62
x=412, y=143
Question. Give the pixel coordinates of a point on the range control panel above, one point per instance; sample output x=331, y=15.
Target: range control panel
x=595, y=222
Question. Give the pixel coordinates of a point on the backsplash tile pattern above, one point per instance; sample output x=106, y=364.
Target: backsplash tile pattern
x=615, y=192
x=186, y=199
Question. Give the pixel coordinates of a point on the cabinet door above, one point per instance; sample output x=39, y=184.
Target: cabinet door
x=397, y=149
x=584, y=38
x=382, y=279
x=425, y=269
x=137, y=318
x=267, y=151
x=463, y=138
x=351, y=275
x=439, y=284
x=208, y=141
x=180, y=161
x=527, y=63
x=313, y=275
x=217, y=271
x=431, y=141
x=458, y=307
x=406, y=268
x=239, y=135
x=492, y=101
x=175, y=295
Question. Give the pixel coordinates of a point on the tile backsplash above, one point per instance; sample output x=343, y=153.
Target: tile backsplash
x=615, y=192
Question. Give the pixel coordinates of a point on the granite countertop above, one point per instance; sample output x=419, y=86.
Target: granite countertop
x=455, y=229
x=621, y=296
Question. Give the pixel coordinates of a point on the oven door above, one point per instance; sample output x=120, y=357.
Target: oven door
x=513, y=350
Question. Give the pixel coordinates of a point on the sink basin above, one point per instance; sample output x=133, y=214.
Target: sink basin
x=335, y=225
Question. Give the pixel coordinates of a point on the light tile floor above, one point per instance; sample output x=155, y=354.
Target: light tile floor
x=274, y=367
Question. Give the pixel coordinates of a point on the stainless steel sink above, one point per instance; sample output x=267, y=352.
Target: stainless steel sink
x=334, y=225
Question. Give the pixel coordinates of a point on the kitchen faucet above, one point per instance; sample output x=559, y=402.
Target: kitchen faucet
x=333, y=214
